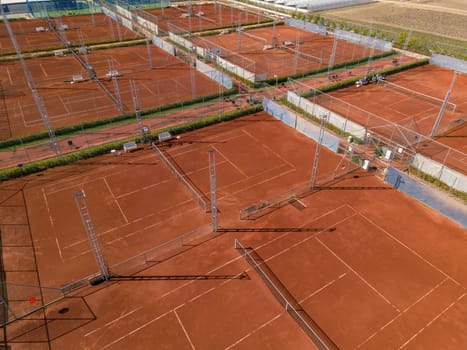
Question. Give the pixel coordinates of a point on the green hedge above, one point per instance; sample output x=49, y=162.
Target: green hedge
x=69, y=130
x=41, y=165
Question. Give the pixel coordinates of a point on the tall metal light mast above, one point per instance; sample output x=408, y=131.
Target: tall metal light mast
x=314, y=171
x=37, y=98
x=80, y=201
x=443, y=106
x=212, y=182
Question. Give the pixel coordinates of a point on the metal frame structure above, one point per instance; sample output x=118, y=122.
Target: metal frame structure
x=32, y=86
x=213, y=185
x=81, y=204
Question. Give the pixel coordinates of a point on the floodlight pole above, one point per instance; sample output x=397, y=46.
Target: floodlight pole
x=91, y=11
x=273, y=43
x=80, y=201
x=115, y=84
x=37, y=98
x=212, y=182
x=84, y=50
x=61, y=31
x=192, y=72
x=314, y=171
x=148, y=47
x=2, y=97
x=443, y=106
x=370, y=57
x=134, y=92
x=333, y=56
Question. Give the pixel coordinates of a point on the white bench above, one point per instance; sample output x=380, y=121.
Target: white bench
x=130, y=146
x=164, y=136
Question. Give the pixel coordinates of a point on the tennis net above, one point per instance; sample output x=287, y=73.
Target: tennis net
x=287, y=301
x=180, y=177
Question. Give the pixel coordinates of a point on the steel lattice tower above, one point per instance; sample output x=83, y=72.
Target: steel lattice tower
x=80, y=200
x=314, y=171
x=212, y=182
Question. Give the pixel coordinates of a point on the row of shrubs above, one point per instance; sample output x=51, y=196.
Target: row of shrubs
x=93, y=124
x=41, y=165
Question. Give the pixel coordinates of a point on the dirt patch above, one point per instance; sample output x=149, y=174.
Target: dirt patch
x=435, y=18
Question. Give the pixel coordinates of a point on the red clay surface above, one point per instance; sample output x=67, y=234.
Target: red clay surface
x=214, y=16
x=374, y=268
x=68, y=104
x=102, y=29
x=405, y=109
x=314, y=50
x=415, y=113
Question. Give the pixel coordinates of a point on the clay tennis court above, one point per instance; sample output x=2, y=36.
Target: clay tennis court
x=89, y=29
x=296, y=51
x=372, y=267
x=159, y=78
x=205, y=17
x=412, y=111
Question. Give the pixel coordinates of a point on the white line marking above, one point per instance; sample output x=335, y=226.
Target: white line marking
x=409, y=249
x=240, y=257
x=136, y=329
x=322, y=288
x=270, y=149
x=357, y=274
x=184, y=330
x=230, y=162
x=112, y=322
x=52, y=223
x=115, y=200
x=9, y=75
x=254, y=331
x=433, y=320
x=402, y=313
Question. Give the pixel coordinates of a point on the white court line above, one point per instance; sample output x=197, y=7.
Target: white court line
x=402, y=313
x=357, y=274
x=312, y=236
x=52, y=223
x=89, y=174
x=269, y=149
x=409, y=249
x=174, y=290
x=64, y=106
x=43, y=70
x=20, y=107
x=322, y=288
x=112, y=322
x=243, y=189
x=9, y=75
x=136, y=329
x=115, y=200
x=230, y=162
x=184, y=330
x=254, y=331
x=433, y=320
